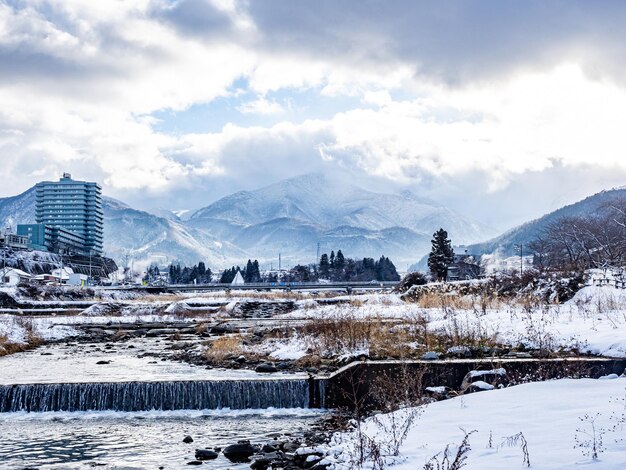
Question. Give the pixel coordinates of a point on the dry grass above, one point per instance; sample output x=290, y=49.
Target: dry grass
x=32, y=339
x=224, y=347
x=398, y=339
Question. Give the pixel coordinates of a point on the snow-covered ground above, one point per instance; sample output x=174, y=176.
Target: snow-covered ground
x=549, y=415
x=593, y=321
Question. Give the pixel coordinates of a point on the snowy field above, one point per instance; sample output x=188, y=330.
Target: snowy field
x=549, y=415
x=593, y=321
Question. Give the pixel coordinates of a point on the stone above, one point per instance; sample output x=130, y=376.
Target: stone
x=261, y=464
x=267, y=448
x=240, y=452
x=100, y=363
x=266, y=368
x=194, y=462
x=188, y=440
x=430, y=356
x=206, y=454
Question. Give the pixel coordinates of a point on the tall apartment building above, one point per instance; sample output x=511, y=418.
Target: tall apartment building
x=74, y=206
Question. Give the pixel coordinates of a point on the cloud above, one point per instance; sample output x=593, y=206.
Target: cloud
x=261, y=106
x=423, y=95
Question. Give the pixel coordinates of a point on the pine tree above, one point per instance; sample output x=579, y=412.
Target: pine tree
x=249, y=272
x=340, y=260
x=324, y=266
x=256, y=271
x=332, y=259
x=441, y=255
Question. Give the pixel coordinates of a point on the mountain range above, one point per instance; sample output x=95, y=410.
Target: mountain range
x=289, y=218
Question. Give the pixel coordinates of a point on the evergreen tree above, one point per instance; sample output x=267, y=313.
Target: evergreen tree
x=340, y=260
x=248, y=273
x=324, y=266
x=228, y=275
x=441, y=255
x=332, y=259
x=256, y=277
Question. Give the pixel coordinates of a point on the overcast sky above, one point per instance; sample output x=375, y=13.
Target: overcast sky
x=501, y=109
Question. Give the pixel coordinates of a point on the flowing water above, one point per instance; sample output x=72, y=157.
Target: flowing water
x=139, y=440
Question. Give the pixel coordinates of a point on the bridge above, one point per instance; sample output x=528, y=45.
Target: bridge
x=260, y=286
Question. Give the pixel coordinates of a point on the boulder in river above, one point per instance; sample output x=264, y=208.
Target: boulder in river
x=206, y=454
x=240, y=452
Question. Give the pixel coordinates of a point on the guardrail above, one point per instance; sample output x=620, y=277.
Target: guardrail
x=261, y=286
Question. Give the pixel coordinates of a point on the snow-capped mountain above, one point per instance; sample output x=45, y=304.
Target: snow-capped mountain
x=292, y=216
x=288, y=218
x=143, y=236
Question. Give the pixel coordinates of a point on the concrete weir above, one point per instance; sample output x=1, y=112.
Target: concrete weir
x=162, y=396
x=347, y=386
x=353, y=383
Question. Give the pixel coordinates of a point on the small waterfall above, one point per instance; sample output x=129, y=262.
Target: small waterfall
x=145, y=396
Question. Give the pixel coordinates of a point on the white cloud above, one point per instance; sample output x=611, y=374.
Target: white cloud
x=81, y=81
x=261, y=106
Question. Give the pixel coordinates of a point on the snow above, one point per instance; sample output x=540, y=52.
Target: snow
x=548, y=415
x=292, y=350
x=482, y=385
x=481, y=373
x=594, y=321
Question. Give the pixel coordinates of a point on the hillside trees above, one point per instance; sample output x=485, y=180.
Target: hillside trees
x=576, y=243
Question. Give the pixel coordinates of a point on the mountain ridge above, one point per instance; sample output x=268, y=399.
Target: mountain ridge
x=288, y=218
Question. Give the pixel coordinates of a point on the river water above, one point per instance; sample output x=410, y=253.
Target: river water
x=138, y=440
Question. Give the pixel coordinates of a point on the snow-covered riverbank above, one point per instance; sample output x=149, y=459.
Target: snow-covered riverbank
x=554, y=418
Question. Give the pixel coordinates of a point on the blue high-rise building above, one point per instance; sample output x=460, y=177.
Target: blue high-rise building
x=74, y=206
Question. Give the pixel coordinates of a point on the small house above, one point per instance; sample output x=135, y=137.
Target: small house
x=13, y=276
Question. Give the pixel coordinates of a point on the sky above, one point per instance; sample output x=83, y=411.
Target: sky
x=501, y=109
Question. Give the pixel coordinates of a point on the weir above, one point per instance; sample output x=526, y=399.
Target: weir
x=165, y=396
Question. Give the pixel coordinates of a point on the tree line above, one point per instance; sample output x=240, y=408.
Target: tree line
x=339, y=268
x=334, y=267
x=576, y=243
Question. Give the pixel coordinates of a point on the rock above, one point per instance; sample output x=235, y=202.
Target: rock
x=206, y=454
x=283, y=366
x=100, y=363
x=266, y=368
x=262, y=463
x=267, y=448
x=241, y=359
x=240, y=452
x=194, y=462
x=290, y=446
x=430, y=356
x=188, y=440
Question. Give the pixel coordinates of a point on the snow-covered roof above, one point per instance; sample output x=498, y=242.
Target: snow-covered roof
x=238, y=279
x=62, y=275
x=18, y=272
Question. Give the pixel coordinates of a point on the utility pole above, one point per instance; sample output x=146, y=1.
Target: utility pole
x=317, y=260
x=521, y=258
